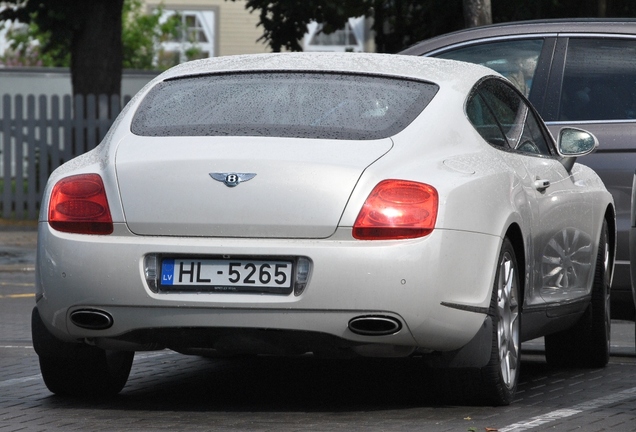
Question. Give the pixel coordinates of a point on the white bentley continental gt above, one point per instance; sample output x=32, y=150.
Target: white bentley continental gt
x=342, y=205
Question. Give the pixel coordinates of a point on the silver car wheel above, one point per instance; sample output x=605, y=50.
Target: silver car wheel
x=587, y=342
x=566, y=259
x=508, y=320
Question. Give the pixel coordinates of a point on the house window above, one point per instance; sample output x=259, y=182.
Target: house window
x=349, y=38
x=194, y=41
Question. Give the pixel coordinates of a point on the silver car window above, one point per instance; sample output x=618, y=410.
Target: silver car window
x=518, y=126
x=288, y=104
x=484, y=121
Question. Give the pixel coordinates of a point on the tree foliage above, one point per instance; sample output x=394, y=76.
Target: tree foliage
x=396, y=23
x=400, y=23
x=90, y=30
x=87, y=34
x=142, y=35
x=26, y=44
x=516, y=10
x=143, y=32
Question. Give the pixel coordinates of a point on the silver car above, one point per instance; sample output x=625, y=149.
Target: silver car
x=343, y=205
x=577, y=73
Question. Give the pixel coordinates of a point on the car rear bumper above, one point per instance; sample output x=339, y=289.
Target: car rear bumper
x=404, y=281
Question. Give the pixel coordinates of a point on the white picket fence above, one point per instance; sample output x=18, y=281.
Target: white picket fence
x=38, y=134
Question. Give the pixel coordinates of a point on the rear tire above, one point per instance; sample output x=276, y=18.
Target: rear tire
x=496, y=383
x=501, y=374
x=587, y=343
x=75, y=369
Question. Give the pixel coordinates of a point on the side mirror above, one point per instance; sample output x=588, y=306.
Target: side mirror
x=573, y=143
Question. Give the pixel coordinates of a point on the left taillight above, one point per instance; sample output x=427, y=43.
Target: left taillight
x=79, y=205
x=397, y=209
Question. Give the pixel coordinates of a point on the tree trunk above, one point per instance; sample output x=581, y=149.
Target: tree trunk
x=477, y=13
x=96, y=48
x=379, y=26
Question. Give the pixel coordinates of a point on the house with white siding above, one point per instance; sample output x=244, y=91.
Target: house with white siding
x=213, y=28
x=220, y=28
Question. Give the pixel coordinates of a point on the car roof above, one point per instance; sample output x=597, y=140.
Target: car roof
x=548, y=27
x=459, y=74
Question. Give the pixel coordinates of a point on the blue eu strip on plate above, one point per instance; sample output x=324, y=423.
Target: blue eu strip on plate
x=167, y=272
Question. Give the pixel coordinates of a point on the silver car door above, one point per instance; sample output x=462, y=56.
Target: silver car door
x=565, y=251
x=561, y=219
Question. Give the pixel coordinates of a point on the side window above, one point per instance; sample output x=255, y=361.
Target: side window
x=599, y=80
x=516, y=122
x=483, y=120
x=514, y=59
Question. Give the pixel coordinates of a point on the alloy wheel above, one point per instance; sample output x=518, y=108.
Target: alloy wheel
x=508, y=320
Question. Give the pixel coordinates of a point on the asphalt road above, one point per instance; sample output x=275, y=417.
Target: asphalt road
x=168, y=391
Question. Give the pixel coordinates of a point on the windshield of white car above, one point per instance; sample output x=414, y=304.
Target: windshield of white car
x=283, y=104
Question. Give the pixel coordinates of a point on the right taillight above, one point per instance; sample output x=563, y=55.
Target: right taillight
x=397, y=209
x=79, y=205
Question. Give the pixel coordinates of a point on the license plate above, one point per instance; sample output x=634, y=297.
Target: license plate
x=224, y=275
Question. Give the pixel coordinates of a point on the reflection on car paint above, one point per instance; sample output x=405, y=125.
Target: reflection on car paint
x=567, y=260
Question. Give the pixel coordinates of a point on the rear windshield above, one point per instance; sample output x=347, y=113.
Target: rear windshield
x=290, y=104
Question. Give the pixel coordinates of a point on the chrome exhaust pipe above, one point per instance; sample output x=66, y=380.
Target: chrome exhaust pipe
x=92, y=319
x=374, y=325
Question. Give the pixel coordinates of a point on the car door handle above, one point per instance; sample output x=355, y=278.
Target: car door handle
x=541, y=184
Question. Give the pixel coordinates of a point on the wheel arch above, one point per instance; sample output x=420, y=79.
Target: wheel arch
x=514, y=234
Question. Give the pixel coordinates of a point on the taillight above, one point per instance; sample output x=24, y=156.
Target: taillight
x=397, y=209
x=79, y=205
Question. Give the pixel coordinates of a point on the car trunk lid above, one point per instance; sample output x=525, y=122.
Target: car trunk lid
x=299, y=190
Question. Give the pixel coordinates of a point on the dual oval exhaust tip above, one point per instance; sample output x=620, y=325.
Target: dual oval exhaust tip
x=374, y=325
x=92, y=319
x=368, y=325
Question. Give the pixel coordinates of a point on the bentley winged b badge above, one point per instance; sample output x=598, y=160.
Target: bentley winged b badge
x=232, y=179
